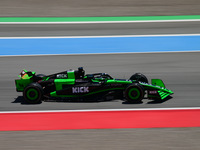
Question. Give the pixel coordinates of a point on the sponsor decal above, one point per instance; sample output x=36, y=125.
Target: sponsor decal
x=153, y=92
x=80, y=89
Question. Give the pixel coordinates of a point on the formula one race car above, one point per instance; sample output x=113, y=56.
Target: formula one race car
x=75, y=84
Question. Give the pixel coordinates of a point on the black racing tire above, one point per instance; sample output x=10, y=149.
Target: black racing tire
x=139, y=77
x=33, y=93
x=134, y=93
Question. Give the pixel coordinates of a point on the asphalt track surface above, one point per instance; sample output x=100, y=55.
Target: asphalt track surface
x=179, y=71
x=37, y=30
x=81, y=8
x=140, y=139
x=112, y=139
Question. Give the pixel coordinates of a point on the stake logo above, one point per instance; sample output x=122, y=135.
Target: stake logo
x=153, y=92
x=80, y=89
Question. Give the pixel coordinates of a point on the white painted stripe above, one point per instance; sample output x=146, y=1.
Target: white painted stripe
x=111, y=53
x=98, y=22
x=106, y=36
x=100, y=110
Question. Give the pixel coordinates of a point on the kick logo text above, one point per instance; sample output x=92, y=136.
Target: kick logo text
x=80, y=89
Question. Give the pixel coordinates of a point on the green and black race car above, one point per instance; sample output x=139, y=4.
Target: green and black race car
x=75, y=84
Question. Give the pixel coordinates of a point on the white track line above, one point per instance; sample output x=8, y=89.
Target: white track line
x=103, y=22
x=103, y=36
x=100, y=110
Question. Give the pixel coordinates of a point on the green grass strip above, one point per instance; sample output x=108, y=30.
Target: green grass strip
x=86, y=19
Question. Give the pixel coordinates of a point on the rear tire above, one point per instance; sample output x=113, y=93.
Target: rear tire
x=33, y=93
x=139, y=77
x=134, y=93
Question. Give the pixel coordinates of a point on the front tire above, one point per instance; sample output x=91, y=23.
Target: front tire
x=134, y=93
x=33, y=93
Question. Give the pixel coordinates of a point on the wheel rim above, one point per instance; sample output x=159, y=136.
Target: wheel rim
x=134, y=93
x=32, y=94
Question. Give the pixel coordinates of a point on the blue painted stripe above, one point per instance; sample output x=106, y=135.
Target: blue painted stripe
x=32, y=46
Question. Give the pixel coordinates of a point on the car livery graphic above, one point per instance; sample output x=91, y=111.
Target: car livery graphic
x=75, y=84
